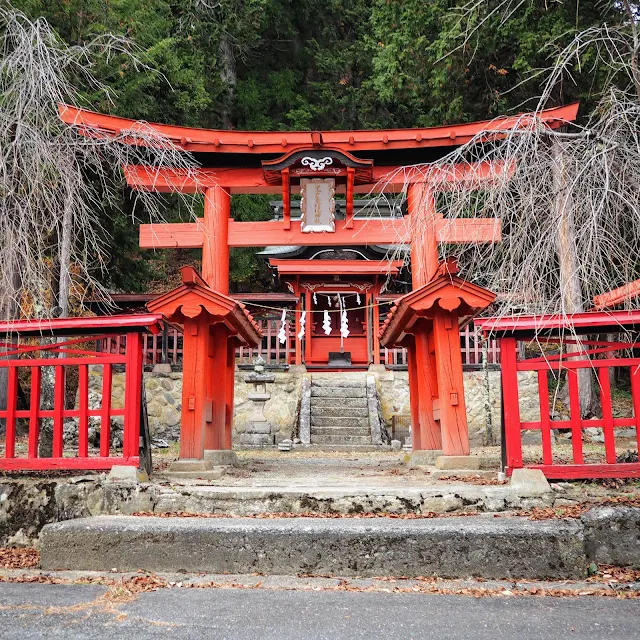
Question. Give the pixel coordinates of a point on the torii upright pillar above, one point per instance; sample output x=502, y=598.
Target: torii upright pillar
x=434, y=353
x=215, y=272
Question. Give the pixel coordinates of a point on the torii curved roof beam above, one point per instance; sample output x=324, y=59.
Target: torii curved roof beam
x=280, y=142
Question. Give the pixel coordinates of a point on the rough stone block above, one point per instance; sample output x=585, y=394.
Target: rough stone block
x=447, y=547
x=162, y=368
x=125, y=473
x=529, y=483
x=304, y=430
x=256, y=439
x=327, y=401
x=338, y=392
x=612, y=535
x=219, y=457
x=258, y=427
x=424, y=457
x=189, y=464
x=451, y=463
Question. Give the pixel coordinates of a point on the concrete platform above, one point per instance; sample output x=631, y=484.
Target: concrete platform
x=447, y=547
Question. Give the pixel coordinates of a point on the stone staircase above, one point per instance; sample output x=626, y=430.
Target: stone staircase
x=340, y=411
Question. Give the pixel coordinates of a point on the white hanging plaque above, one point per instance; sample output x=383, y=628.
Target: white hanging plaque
x=318, y=204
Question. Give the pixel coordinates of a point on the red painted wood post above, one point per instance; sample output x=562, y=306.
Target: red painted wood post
x=298, y=343
x=635, y=396
x=308, y=355
x=231, y=378
x=607, y=415
x=376, y=332
x=349, y=212
x=511, y=403
x=416, y=442
x=424, y=245
x=83, y=404
x=132, y=396
x=105, y=411
x=575, y=417
x=34, y=411
x=58, y=408
x=430, y=429
x=215, y=251
x=286, y=199
x=545, y=417
x=453, y=412
x=214, y=437
x=12, y=399
x=196, y=363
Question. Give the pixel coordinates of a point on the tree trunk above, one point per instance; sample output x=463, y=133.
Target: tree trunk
x=569, y=277
x=64, y=284
x=229, y=76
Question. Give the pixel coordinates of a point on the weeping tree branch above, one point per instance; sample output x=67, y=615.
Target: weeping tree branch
x=57, y=183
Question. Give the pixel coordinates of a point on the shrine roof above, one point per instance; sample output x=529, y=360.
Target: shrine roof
x=194, y=296
x=447, y=291
x=277, y=143
x=336, y=267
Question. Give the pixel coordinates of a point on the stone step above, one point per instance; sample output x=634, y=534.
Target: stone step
x=448, y=547
x=334, y=381
x=338, y=392
x=340, y=439
x=340, y=431
x=326, y=401
x=338, y=412
x=362, y=423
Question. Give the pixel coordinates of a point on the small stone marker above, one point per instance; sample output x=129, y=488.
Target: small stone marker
x=126, y=473
x=285, y=445
x=528, y=483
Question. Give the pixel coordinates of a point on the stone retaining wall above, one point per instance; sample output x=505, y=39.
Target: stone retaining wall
x=164, y=401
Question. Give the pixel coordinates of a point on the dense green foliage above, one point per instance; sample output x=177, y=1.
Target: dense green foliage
x=306, y=64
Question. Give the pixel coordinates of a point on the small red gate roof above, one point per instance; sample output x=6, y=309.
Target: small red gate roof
x=194, y=297
x=84, y=326
x=280, y=142
x=447, y=291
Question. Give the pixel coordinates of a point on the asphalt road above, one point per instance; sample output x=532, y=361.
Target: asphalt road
x=73, y=611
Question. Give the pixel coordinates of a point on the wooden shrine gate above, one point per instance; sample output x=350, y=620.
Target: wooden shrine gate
x=564, y=353
x=62, y=349
x=316, y=165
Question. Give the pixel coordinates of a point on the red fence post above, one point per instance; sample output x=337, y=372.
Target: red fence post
x=510, y=399
x=83, y=420
x=12, y=398
x=58, y=408
x=105, y=412
x=132, y=396
x=34, y=411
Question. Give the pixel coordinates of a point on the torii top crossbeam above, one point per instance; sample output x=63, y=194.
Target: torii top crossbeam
x=317, y=164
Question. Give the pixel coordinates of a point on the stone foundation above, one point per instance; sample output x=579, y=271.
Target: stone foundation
x=164, y=402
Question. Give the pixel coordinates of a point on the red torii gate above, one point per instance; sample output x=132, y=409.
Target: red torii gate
x=317, y=163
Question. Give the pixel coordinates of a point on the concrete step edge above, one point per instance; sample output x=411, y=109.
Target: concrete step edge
x=447, y=547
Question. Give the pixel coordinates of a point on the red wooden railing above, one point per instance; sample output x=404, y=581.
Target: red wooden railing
x=32, y=359
x=270, y=349
x=600, y=356
x=169, y=342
